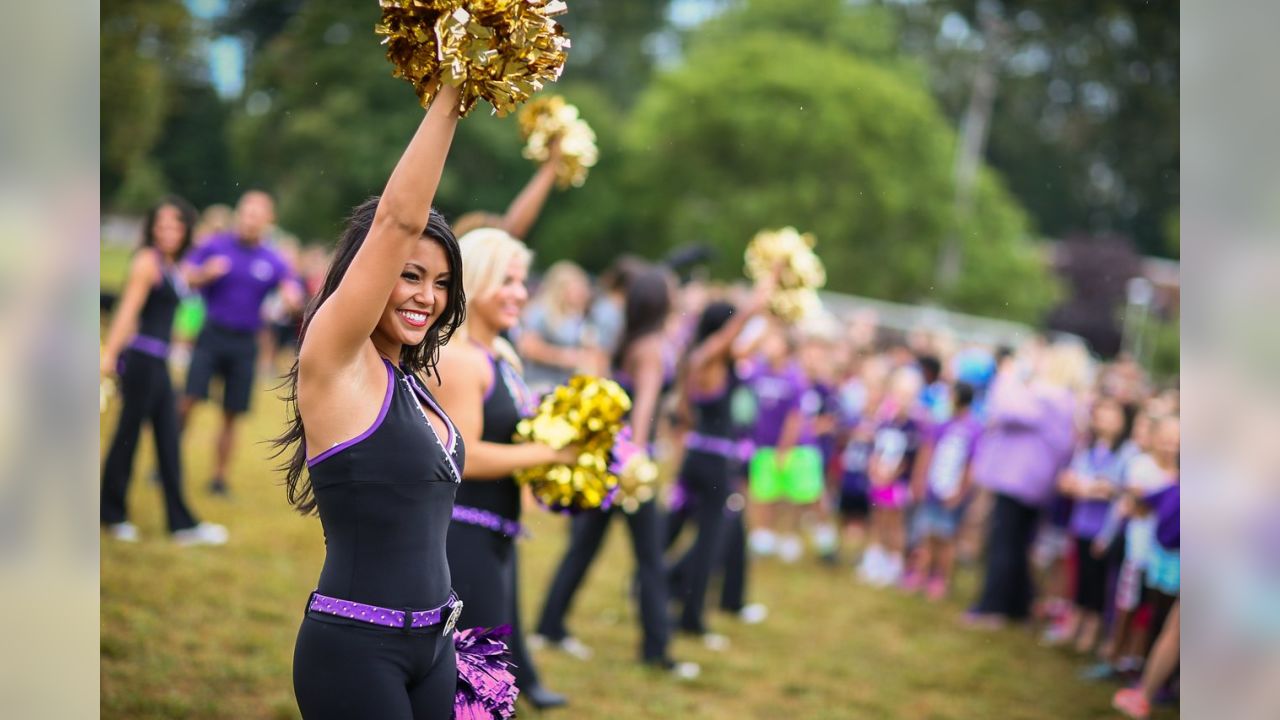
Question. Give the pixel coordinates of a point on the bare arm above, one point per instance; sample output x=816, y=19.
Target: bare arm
x=467, y=376
x=533, y=347
x=527, y=206
x=144, y=271
x=340, y=329
x=647, y=372
x=719, y=345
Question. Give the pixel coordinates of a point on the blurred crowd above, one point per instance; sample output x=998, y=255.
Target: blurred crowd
x=898, y=455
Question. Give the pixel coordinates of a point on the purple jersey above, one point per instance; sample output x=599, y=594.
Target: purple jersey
x=778, y=393
x=1166, y=505
x=897, y=442
x=234, y=301
x=1097, y=463
x=953, y=445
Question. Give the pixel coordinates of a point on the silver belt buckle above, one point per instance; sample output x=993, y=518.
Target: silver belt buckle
x=453, y=618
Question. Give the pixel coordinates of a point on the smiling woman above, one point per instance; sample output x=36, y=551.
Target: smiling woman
x=372, y=453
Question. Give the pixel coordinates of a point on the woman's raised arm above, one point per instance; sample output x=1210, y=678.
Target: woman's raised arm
x=343, y=325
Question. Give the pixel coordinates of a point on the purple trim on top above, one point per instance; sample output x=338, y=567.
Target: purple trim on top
x=147, y=345
x=493, y=376
x=709, y=397
x=736, y=449
x=450, y=446
x=382, y=414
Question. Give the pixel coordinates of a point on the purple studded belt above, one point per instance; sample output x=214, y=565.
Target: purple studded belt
x=488, y=520
x=387, y=617
x=738, y=449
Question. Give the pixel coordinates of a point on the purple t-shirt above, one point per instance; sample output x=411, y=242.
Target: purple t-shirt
x=778, y=393
x=234, y=301
x=816, y=401
x=1166, y=505
x=1102, y=463
x=953, y=445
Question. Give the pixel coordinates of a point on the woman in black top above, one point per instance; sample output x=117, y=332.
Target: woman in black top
x=137, y=348
x=375, y=457
x=640, y=367
x=711, y=450
x=486, y=396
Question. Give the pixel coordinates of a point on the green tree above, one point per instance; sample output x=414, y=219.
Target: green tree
x=142, y=44
x=763, y=129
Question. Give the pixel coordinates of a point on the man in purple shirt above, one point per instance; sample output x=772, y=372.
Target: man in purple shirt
x=234, y=272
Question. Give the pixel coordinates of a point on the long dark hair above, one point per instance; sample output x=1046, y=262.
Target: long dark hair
x=186, y=213
x=648, y=304
x=413, y=358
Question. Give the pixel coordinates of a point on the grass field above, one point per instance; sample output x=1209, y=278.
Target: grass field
x=208, y=632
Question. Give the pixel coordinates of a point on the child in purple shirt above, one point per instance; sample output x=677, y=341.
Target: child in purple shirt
x=1093, y=480
x=941, y=484
x=897, y=440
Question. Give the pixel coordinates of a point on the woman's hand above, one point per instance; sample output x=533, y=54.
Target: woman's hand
x=108, y=366
x=567, y=455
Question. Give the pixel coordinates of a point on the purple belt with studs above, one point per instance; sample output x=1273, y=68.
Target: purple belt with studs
x=488, y=520
x=387, y=617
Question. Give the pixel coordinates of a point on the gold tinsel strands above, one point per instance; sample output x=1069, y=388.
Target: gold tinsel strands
x=587, y=412
x=548, y=119
x=501, y=51
x=800, y=271
x=637, y=482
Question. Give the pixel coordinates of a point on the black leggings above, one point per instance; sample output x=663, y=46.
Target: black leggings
x=1006, y=587
x=1091, y=578
x=343, y=671
x=586, y=534
x=147, y=394
x=706, y=477
x=483, y=566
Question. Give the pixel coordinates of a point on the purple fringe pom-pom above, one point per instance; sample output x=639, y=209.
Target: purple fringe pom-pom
x=486, y=687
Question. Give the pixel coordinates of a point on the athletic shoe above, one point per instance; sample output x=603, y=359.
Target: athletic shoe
x=753, y=614
x=218, y=486
x=1132, y=703
x=202, y=534
x=123, y=531
x=912, y=581
x=936, y=589
x=1099, y=672
x=715, y=642
x=790, y=549
x=763, y=542
x=570, y=645
x=681, y=670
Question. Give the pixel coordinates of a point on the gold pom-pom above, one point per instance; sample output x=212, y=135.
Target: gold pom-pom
x=637, y=482
x=550, y=119
x=106, y=391
x=588, y=413
x=800, y=270
x=501, y=51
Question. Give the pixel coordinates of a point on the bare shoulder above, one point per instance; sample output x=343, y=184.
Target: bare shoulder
x=461, y=365
x=145, y=264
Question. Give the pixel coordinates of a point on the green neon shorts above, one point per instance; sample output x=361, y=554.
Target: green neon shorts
x=799, y=481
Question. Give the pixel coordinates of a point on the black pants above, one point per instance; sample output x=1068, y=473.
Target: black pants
x=586, y=534
x=732, y=558
x=1006, y=588
x=1091, y=578
x=706, y=478
x=147, y=395
x=342, y=671
x=483, y=566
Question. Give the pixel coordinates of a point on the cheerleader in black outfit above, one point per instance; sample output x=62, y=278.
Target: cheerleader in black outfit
x=640, y=367
x=482, y=390
x=137, y=348
x=376, y=457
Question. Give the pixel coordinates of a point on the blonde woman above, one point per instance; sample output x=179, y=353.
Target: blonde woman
x=480, y=387
x=555, y=340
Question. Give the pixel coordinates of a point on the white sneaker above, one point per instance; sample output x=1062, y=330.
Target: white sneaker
x=763, y=542
x=872, y=563
x=574, y=647
x=825, y=539
x=202, y=534
x=123, y=531
x=892, y=572
x=790, y=549
x=687, y=670
x=715, y=642
x=753, y=614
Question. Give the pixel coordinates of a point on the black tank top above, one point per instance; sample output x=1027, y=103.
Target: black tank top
x=385, y=499
x=624, y=380
x=156, y=318
x=713, y=414
x=508, y=400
